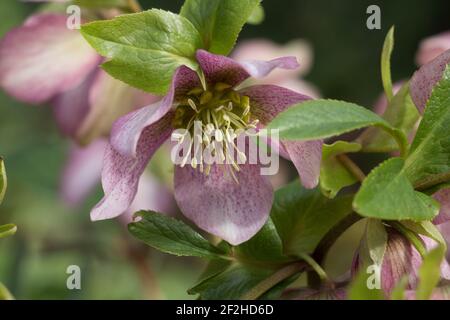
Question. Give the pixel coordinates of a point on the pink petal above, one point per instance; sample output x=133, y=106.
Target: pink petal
x=219, y=68
x=424, y=80
x=71, y=107
x=306, y=157
x=127, y=130
x=109, y=99
x=266, y=102
x=432, y=47
x=82, y=172
x=216, y=203
x=43, y=58
x=120, y=175
x=443, y=196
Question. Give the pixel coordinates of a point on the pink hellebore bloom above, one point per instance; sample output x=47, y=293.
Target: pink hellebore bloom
x=401, y=259
x=44, y=61
x=230, y=210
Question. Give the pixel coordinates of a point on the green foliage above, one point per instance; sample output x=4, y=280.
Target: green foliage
x=333, y=174
x=219, y=21
x=3, y=180
x=401, y=113
x=7, y=230
x=302, y=217
x=429, y=158
x=172, y=236
x=388, y=47
x=430, y=272
x=388, y=194
x=319, y=119
x=144, y=49
x=101, y=4
x=266, y=245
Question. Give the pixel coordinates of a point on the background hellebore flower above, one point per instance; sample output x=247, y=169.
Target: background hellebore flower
x=230, y=210
x=82, y=174
x=262, y=49
x=400, y=259
x=44, y=61
x=432, y=47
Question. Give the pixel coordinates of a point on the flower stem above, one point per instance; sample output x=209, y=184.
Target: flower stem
x=352, y=167
x=282, y=274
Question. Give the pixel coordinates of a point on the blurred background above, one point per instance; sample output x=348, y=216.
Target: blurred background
x=52, y=236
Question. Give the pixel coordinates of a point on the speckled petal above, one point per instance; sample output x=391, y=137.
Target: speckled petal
x=126, y=130
x=266, y=102
x=216, y=203
x=219, y=68
x=424, y=80
x=120, y=175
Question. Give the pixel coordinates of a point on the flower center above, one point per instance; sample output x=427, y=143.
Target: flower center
x=214, y=118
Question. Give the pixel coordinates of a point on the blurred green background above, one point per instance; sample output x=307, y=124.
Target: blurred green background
x=51, y=236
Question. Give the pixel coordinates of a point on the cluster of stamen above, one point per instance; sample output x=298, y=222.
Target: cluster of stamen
x=218, y=114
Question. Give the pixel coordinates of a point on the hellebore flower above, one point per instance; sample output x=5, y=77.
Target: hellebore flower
x=230, y=210
x=262, y=49
x=82, y=173
x=44, y=61
x=400, y=259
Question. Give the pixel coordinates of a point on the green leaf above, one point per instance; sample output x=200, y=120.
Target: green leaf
x=171, y=236
x=266, y=245
x=144, y=49
x=375, y=241
x=3, y=180
x=388, y=194
x=429, y=159
x=319, y=119
x=7, y=230
x=4, y=293
x=386, y=63
x=333, y=174
x=402, y=114
x=430, y=273
x=257, y=16
x=219, y=21
x=426, y=228
x=303, y=217
x=233, y=283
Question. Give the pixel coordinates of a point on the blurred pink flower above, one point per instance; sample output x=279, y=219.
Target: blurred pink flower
x=82, y=174
x=262, y=49
x=432, y=47
x=44, y=61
